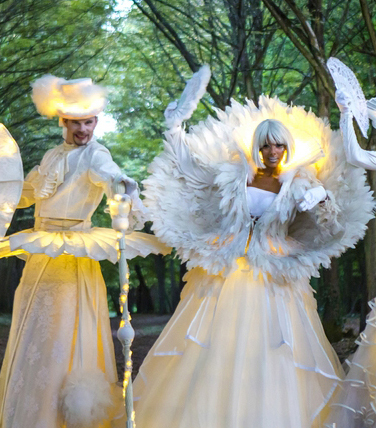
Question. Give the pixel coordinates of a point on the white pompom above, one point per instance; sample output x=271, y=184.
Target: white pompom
x=85, y=399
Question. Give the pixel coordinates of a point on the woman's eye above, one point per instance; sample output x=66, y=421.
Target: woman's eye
x=280, y=146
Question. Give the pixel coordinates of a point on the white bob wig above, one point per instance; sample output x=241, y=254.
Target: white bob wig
x=274, y=132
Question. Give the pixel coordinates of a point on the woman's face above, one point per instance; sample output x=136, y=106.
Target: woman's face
x=272, y=154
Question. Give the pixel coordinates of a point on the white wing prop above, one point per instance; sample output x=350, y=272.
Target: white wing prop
x=11, y=178
x=371, y=105
x=346, y=81
x=178, y=111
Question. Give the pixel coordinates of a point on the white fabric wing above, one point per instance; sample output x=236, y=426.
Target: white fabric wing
x=371, y=105
x=193, y=196
x=346, y=80
x=195, y=88
x=11, y=178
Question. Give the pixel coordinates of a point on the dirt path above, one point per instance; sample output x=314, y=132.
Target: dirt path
x=147, y=328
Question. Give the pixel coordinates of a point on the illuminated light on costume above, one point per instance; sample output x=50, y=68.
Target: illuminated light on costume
x=245, y=346
x=59, y=368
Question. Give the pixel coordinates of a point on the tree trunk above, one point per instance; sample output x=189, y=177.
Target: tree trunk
x=160, y=267
x=332, y=311
x=144, y=300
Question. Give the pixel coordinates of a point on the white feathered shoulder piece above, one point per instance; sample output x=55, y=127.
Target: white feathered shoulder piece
x=196, y=195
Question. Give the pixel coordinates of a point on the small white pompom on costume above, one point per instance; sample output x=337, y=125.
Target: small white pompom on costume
x=85, y=399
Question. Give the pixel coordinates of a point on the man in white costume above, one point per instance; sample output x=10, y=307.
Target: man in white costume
x=59, y=369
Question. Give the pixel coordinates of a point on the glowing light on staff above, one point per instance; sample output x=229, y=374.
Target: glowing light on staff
x=7, y=208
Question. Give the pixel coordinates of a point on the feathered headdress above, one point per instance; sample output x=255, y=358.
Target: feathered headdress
x=68, y=99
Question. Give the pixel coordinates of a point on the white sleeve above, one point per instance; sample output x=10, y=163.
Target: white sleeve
x=104, y=171
x=355, y=155
x=28, y=197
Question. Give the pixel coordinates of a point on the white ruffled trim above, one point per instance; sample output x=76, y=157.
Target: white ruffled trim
x=97, y=244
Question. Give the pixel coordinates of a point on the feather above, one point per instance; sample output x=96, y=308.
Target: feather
x=371, y=109
x=46, y=94
x=177, y=112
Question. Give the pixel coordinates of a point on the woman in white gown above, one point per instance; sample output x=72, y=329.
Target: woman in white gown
x=245, y=346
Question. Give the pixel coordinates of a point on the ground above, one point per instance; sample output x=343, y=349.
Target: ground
x=148, y=327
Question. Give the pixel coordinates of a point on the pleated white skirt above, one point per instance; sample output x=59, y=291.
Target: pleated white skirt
x=60, y=324
x=354, y=405
x=238, y=353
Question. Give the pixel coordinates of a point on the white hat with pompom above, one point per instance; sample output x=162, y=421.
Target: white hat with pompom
x=68, y=99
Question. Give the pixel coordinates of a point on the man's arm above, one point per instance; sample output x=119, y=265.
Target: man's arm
x=27, y=197
x=105, y=172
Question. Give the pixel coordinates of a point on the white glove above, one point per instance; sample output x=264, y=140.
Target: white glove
x=311, y=198
x=343, y=101
x=130, y=185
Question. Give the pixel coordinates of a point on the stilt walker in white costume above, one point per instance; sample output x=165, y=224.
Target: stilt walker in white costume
x=59, y=368
x=354, y=406
x=252, y=206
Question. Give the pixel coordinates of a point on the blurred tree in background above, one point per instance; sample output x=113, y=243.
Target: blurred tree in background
x=144, y=51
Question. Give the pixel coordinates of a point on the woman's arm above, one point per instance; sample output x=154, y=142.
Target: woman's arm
x=355, y=155
x=311, y=198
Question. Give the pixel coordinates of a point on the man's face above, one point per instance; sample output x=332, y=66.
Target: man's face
x=80, y=131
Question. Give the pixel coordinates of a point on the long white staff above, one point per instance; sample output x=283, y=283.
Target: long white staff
x=119, y=209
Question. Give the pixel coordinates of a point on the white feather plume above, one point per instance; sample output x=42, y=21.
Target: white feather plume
x=177, y=112
x=85, y=399
x=371, y=108
x=46, y=94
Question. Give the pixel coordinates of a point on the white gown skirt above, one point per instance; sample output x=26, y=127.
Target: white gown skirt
x=60, y=325
x=354, y=405
x=238, y=354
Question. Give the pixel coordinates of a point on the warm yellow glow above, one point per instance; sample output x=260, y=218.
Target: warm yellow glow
x=309, y=132
x=127, y=375
x=122, y=323
x=79, y=109
x=8, y=146
x=7, y=208
x=123, y=298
